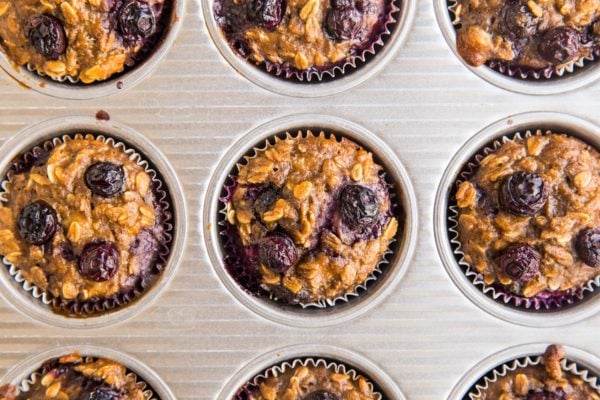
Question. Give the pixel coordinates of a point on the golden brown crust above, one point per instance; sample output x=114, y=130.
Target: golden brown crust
x=548, y=376
x=310, y=172
x=571, y=173
x=95, y=51
x=296, y=383
x=83, y=218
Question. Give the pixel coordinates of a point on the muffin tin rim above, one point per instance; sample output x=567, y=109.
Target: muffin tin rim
x=14, y=294
x=23, y=369
x=211, y=206
x=566, y=83
x=351, y=359
x=359, y=75
x=585, y=130
x=588, y=360
x=68, y=91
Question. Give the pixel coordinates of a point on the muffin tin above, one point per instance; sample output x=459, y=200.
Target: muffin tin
x=423, y=105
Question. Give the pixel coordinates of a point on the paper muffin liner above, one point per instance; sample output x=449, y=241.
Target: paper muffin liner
x=95, y=306
x=528, y=73
x=502, y=370
x=349, y=64
x=245, y=392
x=545, y=300
x=25, y=385
x=233, y=252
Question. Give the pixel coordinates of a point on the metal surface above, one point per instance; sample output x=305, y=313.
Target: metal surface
x=424, y=105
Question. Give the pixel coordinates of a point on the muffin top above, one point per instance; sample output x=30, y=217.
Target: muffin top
x=310, y=383
x=301, y=35
x=529, y=33
x=74, y=377
x=529, y=216
x=81, y=220
x=82, y=40
x=545, y=381
x=313, y=215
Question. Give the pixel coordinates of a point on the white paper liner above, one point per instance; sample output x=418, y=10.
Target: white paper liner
x=526, y=72
x=571, y=297
x=567, y=366
x=47, y=298
x=25, y=385
x=63, y=79
x=338, y=367
x=377, y=271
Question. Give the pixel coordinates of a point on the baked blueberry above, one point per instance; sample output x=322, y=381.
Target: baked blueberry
x=102, y=392
x=136, y=20
x=359, y=206
x=559, y=45
x=523, y=194
x=343, y=23
x=321, y=395
x=557, y=394
x=267, y=13
x=37, y=222
x=520, y=261
x=265, y=199
x=47, y=35
x=99, y=261
x=519, y=21
x=105, y=179
x=277, y=252
x=587, y=245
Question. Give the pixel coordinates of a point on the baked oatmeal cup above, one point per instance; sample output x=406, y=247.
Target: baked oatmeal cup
x=80, y=41
x=527, y=39
x=306, y=40
x=85, y=224
x=75, y=377
x=528, y=218
x=310, y=379
x=309, y=220
x=547, y=377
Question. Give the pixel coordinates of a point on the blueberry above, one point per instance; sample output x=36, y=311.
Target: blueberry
x=136, y=20
x=37, y=222
x=520, y=262
x=105, y=179
x=359, y=206
x=557, y=394
x=341, y=4
x=518, y=21
x=65, y=249
x=99, y=261
x=35, y=158
x=587, y=246
x=321, y=395
x=265, y=199
x=267, y=13
x=523, y=194
x=343, y=24
x=47, y=35
x=277, y=252
x=102, y=392
x=559, y=45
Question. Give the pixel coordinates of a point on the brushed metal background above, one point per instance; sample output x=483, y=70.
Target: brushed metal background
x=424, y=104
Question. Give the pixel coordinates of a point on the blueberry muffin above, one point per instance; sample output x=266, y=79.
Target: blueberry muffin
x=529, y=34
x=545, y=381
x=529, y=216
x=74, y=377
x=302, y=37
x=83, y=222
x=309, y=382
x=310, y=218
x=87, y=41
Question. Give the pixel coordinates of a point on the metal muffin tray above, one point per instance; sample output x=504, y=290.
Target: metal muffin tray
x=424, y=104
